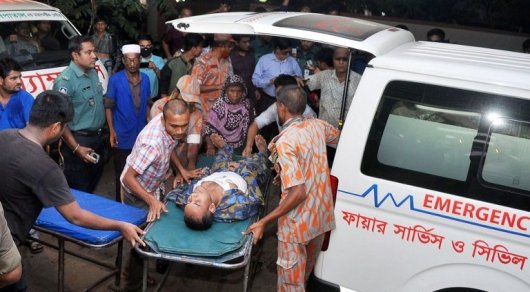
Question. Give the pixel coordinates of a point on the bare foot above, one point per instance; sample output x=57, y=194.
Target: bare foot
x=261, y=144
x=217, y=140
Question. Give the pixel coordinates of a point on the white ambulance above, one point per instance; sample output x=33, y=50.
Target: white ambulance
x=433, y=164
x=36, y=35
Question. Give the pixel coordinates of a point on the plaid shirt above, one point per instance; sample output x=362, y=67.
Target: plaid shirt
x=150, y=156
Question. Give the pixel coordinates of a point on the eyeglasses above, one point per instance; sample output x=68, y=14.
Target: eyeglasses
x=343, y=59
x=131, y=60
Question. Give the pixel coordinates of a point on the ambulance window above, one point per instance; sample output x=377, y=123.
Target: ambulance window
x=429, y=139
x=507, y=159
x=467, y=143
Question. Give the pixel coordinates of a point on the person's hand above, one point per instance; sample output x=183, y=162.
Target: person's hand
x=178, y=180
x=132, y=233
x=299, y=81
x=210, y=150
x=155, y=209
x=276, y=180
x=257, y=229
x=187, y=175
x=257, y=94
x=151, y=65
x=247, y=151
x=83, y=153
x=12, y=38
x=113, y=139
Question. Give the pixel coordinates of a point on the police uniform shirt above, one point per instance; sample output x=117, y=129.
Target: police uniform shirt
x=86, y=92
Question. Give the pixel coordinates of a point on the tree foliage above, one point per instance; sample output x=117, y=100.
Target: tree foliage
x=511, y=15
x=125, y=18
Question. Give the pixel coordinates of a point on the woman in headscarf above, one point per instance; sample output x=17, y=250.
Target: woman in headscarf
x=230, y=116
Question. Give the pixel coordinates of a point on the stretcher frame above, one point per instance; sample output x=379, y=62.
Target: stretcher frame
x=62, y=238
x=115, y=270
x=244, y=253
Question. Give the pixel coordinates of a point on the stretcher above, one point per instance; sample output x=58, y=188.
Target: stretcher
x=51, y=222
x=223, y=246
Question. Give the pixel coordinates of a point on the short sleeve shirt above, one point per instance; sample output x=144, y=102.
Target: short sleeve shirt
x=153, y=79
x=331, y=94
x=127, y=120
x=150, y=155
x=9, y=255
x=209, y=71
x=16, y=112
x=301, y=149
x=270, y=115
x=86, y=92
x=29, y=181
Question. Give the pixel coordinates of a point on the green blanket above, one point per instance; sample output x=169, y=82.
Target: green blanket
x=171, y=235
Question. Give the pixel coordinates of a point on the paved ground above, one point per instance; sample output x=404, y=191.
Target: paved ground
x=78, y=274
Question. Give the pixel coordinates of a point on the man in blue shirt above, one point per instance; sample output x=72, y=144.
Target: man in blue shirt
x=269, y=67
x=16, y=103
x=126, y=108
x=153, y=63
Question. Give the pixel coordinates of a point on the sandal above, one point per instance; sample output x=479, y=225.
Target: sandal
x=35, y=247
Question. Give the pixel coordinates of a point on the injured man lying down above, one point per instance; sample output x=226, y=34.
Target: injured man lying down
x=228, y=191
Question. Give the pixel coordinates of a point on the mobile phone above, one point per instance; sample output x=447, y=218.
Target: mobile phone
x=94, y=156
x=144, y=65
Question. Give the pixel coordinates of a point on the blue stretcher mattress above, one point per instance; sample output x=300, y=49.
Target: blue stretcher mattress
x=171, y=235
x=52, y=220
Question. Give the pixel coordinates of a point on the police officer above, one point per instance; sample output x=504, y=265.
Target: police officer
x=83, y=136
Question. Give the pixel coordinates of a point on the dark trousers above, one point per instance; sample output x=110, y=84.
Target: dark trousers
x=79, y=174
x=120, y=159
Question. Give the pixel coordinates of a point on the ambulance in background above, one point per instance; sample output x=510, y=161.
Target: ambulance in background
x=41, y=60
x=433, y=164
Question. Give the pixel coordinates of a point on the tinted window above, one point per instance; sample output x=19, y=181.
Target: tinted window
x=456, y=141
x=344, y=27
x=36, y=44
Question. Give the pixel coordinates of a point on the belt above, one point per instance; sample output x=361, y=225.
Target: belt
x=88, y=133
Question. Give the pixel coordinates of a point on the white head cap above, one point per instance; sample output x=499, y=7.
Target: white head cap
x=128, y=49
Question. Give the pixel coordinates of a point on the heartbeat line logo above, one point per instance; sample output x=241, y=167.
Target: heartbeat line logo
x=379, y=201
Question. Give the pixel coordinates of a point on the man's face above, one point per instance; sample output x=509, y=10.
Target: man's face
x=186, y=12
x=176, y=125
x=44, y=26
x=282, y=54
x=101, y=26
x=131, y=62
x=12, y=83
x=56, y=132
x=243, y=44
x=197, y=51
x=145, y=44
x=86, y=58
x=281, y=109
x=23, y=30
x=340, y=60
x=199, y=203
x=226, y=48
x=306, y=45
